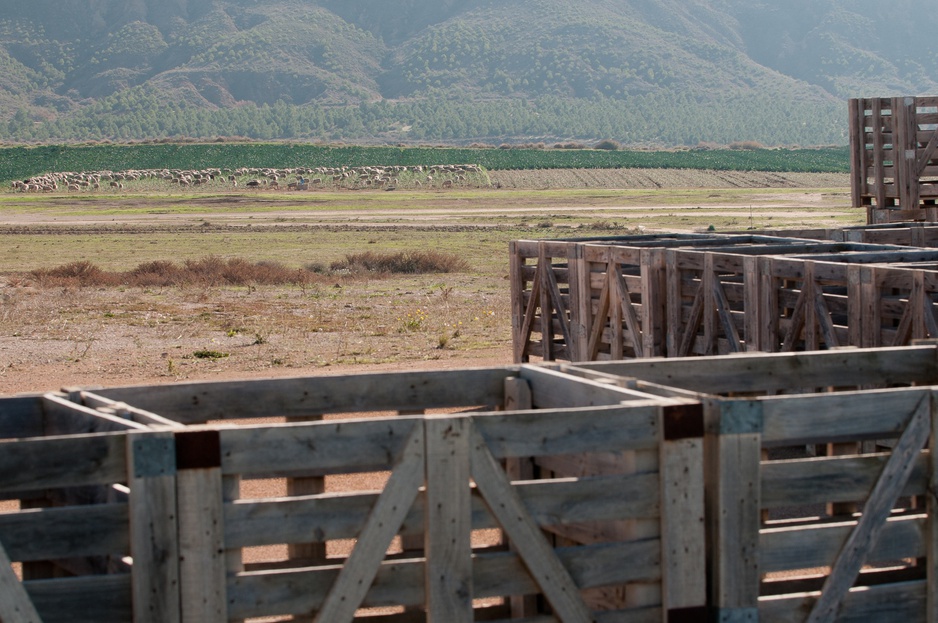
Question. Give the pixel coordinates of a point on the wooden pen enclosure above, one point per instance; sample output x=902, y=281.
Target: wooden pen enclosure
x=126, y=515
x=592, y=300
x=893, y=160
x=760, y=487
x=819, y=481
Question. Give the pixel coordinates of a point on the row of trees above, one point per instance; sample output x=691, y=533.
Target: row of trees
x=661, y=118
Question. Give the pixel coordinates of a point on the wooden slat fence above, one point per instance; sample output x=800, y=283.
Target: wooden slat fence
x=181, y=530
x=894, y=158
x=801, y=537
x=743, y=294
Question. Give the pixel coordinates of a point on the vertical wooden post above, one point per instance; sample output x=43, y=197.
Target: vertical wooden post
x=616, y=334
x=584, y=302
x=655, y=305
x=879, y=156
x=518, y=397
x=768, y=333
x=905, y=152
x=449, y=521
x=809, y=287
x=517, y=283
x=707, y=282
x=872, y=307
x=683, y=534
x=675, y=304
x=931, y=533
x=579, y=335
x=735, y=499
x=752, y=308
x=547, y=316
x=917, y=301
x=202, y=558
x=857, y=147
x=855, y=319
x=154, y=546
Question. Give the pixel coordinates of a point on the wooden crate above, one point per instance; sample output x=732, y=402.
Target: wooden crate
x=893, y=160
x=460, y=451
x=803, y=536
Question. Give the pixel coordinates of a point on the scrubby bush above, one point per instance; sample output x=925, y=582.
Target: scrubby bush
x=408, y=262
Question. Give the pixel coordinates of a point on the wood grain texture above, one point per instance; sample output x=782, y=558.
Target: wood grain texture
x=541, y=562
x=154, y=540
x=359, y=570
x=881, y=501
x=448, y=548
x=15, y=603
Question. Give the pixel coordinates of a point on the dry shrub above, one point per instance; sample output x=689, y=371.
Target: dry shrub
x=160, y=273
x=208, y=271
x=407, y=262
x=608, y=144
x=81, y=274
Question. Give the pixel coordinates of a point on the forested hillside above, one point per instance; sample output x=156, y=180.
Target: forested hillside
x=659, y=72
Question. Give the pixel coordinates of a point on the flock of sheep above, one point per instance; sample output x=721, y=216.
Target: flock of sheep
x=301, y=178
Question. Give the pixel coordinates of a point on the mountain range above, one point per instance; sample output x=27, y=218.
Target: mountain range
x=662, y=72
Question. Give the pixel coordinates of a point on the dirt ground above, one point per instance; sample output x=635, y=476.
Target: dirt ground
x=53, y=338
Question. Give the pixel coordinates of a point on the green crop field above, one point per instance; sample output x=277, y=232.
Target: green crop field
x=23, y=162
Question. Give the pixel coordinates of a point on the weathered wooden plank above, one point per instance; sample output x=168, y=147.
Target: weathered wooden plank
x=571, y=430
x=735, y=532
x=357, y=574
x=154, y=546
x=545, y=268
x=808, y=547
x=811, y=418
x=69, y=532
x=931, y=508
x=551, y=389
x=341, y=516
x=89, y=599
x=517, y=282
x=683, y=531
x=315, y=448
x=299, y=591
x=875, y=512
x=449, y=521
x=829, y=479
x=64, y=417
x=33, y=464
x=123, y=410
x=20, y=416
x=198, y=402
x=201, y=546
x=869, y=604
x=15, y=604
x=654, y=302
x=778, y=371
x=553, y=578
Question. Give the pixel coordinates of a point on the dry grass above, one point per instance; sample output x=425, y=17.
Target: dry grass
x=213, y=271
x=405, y=262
